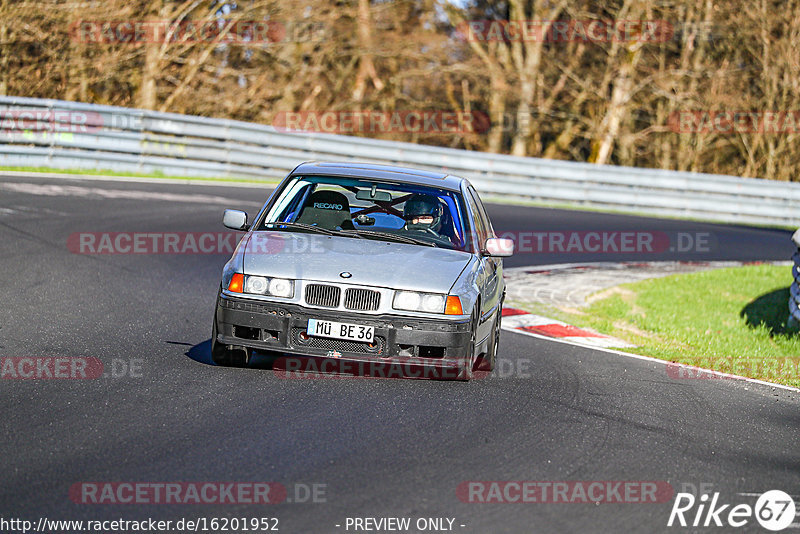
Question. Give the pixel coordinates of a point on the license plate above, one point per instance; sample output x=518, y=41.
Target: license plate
x=334, y=330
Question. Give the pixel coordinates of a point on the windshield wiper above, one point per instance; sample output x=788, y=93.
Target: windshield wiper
x=309, y=227
x=400, y=238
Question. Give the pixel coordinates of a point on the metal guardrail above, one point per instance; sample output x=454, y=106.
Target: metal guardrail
x=794, y=289
x=132, y=140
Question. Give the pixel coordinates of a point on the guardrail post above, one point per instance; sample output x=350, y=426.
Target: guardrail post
x=794, y=290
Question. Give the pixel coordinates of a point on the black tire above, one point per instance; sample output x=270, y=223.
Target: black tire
x=488, y=361
x=223, y=355
x=466, y=372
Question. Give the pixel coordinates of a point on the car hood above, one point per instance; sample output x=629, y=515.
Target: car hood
x=370, y=262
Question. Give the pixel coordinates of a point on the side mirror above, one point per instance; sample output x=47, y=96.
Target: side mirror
x=499, y=247
x=235, y=220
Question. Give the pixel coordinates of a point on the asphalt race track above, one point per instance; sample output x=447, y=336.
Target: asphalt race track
x=377, y=448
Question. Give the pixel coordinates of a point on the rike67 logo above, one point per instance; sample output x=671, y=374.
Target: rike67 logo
x=774, y=510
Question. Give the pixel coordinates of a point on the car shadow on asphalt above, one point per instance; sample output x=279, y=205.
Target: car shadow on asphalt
x=770, y=310
x=289, y=366
x=201, y=353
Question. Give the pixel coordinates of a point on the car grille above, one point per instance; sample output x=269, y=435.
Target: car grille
x=377, y=346
x=361, y=299
x=323, y=295
x=329, y=296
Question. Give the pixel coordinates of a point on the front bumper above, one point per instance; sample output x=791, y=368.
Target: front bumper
x=272, y=326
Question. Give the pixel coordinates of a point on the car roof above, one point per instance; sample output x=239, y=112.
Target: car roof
x=388, y=173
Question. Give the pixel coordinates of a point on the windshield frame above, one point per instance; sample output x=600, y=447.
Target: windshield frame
x=462, y=210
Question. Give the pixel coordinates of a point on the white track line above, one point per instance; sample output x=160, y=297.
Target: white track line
x=654, y=360
x=140, y=179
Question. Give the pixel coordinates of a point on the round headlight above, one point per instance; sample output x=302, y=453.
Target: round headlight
x=255, y=284
x=433, y=303
x=407, y=300
x=280, y=287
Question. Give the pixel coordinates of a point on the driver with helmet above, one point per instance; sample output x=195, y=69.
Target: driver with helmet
x=423, y=213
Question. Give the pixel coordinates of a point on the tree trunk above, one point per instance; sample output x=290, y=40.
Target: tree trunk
x=5, y=49
x=148, y=90
x=617, y=108
x=497, y=111
x=366, y=67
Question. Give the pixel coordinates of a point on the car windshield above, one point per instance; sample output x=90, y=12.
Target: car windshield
x=367, y=209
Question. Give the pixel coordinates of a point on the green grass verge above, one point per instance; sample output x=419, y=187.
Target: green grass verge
x=732, y=320
x=95, y=172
